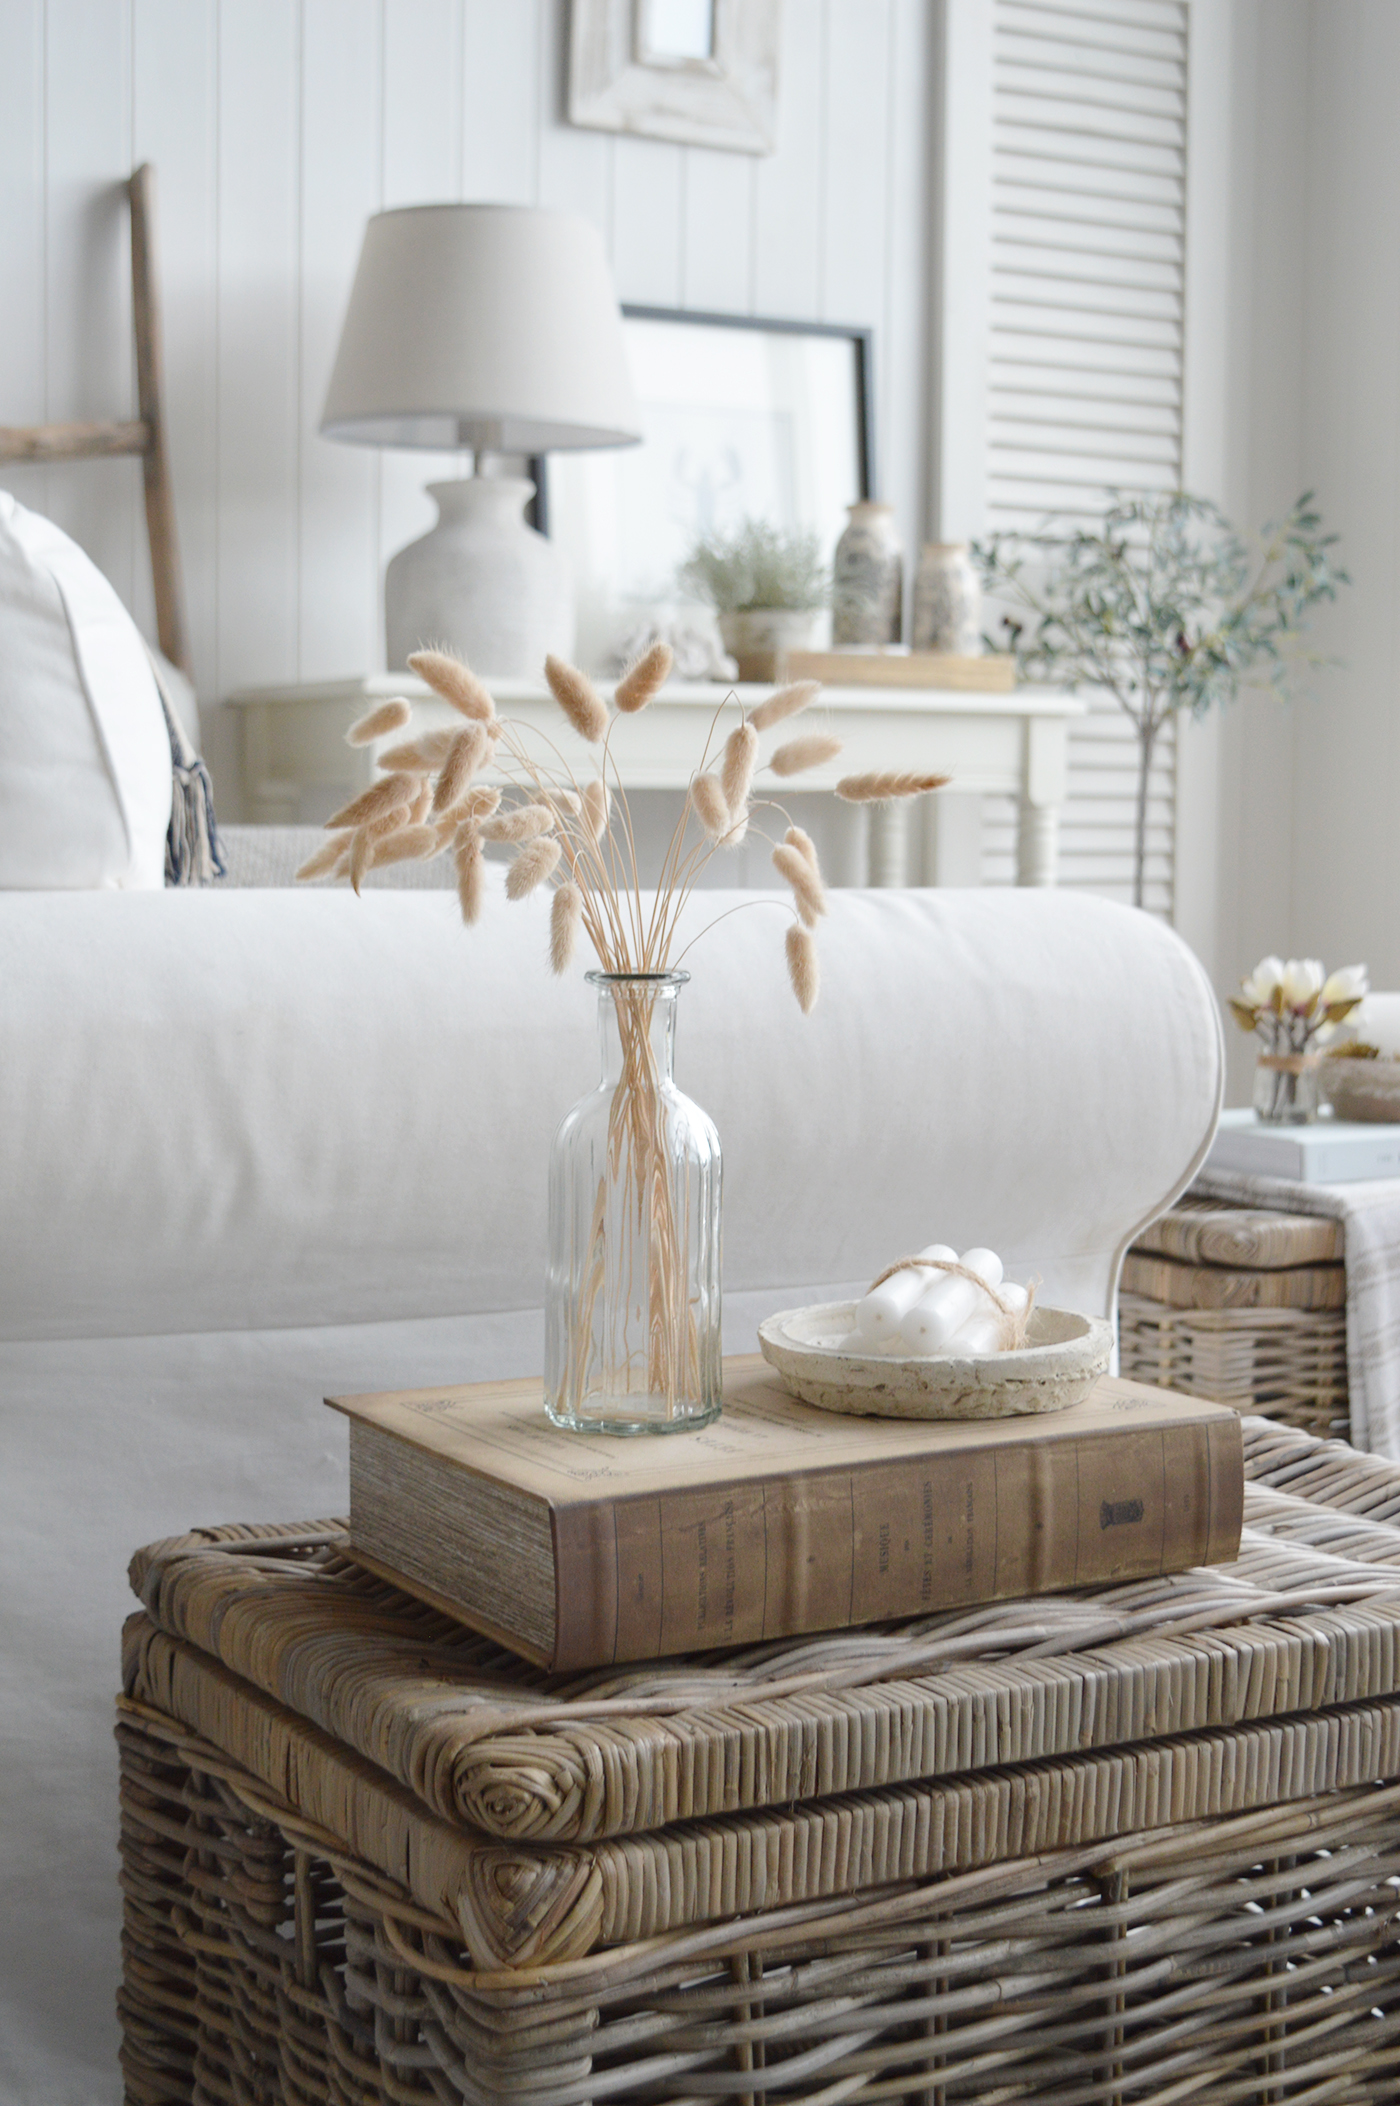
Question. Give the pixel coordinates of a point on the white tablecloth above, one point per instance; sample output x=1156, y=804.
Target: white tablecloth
x=1369, y=1211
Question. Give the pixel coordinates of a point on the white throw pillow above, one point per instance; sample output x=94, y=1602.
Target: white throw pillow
x=85, y=772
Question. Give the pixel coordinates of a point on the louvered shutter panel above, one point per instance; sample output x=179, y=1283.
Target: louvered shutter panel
x=1085, y=369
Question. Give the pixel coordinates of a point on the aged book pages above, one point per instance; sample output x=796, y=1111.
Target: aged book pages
x=777, y=1519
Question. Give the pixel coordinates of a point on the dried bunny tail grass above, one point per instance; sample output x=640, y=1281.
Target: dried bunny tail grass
x=471, y=874
x=404, y=845
x=802, y=967
x=597, y=807
x=737, y=763
x=480, y=802
x=784, y=702
x=535, y=862
x=879, y=788
x=446, y=829
x=325, y=858
x=807, y=887
x=421, y=805
x=525, y=823
x=565, y=914
x=567, y=804
x=805, y=845
x=710, y=808
x=577, y=697
x=373, y=803
x=455, y=682
x=641, y=681
x=461, y=761
x=389, y=716
x=421, y=755
x=808, y=752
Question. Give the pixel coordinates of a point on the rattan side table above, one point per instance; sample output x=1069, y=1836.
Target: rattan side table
x=1128, y=1845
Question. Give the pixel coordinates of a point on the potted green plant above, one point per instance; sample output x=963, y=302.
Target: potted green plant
x=767, y=584
x=1165, y=607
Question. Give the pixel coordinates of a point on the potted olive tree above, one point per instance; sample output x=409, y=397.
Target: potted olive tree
x=1163, y=606
x=767, y=584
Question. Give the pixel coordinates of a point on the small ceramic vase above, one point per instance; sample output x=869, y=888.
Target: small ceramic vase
x=867, y=578
x=947, y=600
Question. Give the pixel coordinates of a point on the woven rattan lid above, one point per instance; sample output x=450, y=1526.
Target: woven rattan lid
x=1309, y=1618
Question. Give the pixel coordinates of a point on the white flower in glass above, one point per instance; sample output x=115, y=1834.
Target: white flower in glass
x=1348, y=985
x=1302, y=984
x=1257, y=989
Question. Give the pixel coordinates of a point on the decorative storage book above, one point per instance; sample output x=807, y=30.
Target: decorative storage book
x=1243, y=1304
x=778, y=1518
x=1128, y=1845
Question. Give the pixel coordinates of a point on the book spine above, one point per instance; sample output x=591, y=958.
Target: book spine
x=685, y=1570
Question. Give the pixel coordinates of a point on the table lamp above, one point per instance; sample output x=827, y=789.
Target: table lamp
x=494, y=328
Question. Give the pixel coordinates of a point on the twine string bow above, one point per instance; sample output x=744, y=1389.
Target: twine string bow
x=1013, y=1323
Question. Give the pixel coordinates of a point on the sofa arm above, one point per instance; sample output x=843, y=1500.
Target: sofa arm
x=257, y=1109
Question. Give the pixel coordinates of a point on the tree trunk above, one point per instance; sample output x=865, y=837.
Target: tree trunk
x=1148, y=729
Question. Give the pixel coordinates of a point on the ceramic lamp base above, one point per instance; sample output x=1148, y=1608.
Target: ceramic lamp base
x=482, y=583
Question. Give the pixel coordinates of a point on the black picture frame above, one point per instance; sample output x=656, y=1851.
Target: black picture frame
x=861, y=339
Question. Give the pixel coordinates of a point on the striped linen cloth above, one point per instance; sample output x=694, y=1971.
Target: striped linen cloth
x=1369, y=1211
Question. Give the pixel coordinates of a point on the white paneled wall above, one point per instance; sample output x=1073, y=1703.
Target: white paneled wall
x=276, y=128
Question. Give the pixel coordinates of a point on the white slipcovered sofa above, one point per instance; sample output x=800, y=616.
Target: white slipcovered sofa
x=256, y=1146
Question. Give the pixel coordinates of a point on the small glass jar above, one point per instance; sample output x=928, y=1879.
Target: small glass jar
x=1286, y=1088
x=632, y=1299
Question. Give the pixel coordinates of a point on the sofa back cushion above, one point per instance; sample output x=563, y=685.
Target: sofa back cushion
x=85, y=775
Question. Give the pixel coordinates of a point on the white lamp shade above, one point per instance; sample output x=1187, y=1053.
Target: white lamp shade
x=489, y=326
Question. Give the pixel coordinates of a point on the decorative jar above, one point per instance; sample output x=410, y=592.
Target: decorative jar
x=867, y=578
x=632, y=1299
x=947, y=600
x=1285, y=1088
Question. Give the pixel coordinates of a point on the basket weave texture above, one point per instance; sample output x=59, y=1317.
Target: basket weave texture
x=1244, y=1305
x=1209, y=1915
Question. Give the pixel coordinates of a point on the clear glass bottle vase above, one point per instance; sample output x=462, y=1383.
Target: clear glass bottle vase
x=632, y=1300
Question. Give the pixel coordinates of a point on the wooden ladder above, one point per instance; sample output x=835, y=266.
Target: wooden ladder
x=144, y=436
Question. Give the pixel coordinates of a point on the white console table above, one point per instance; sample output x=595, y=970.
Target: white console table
x=297, y=767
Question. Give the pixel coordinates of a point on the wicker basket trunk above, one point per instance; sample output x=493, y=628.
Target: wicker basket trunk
x=1285, y=1364
x=1186, y=1889
x=1245, y=1305
x=1250, y=1959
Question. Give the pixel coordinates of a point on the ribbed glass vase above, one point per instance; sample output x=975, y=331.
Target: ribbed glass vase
x=632, y=1299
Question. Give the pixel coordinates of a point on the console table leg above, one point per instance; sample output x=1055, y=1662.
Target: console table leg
x=854, y=849
x=1037, y=843
x=889, y=844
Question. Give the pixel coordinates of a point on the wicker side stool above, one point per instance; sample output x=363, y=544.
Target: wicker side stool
x=1244, y=1305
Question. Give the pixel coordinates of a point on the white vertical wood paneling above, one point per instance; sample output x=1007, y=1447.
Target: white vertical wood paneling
x=500, y=136
x=23, y=367
x=855, y=165
x=259, y=347
x=87, y=126
x=648, y=223
x=422, y=161
x=174, y=54
x=787, y=241
x=341, y=174
x=717, y=232
x=575, y=166
x=276, y=128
